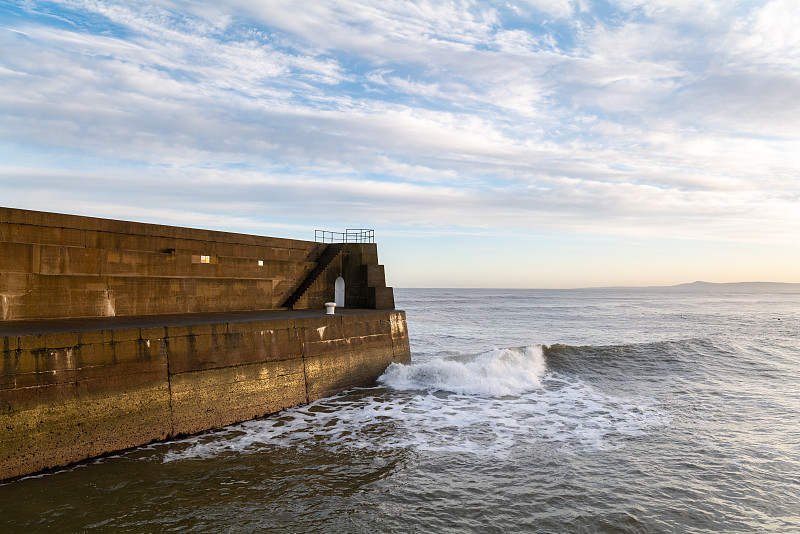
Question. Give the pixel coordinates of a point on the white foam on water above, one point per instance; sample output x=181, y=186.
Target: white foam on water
x=497, y=373
x=487, y=405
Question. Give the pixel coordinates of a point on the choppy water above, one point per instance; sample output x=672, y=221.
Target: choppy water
x=523, y=411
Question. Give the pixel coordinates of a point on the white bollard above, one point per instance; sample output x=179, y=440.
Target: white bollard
x=330, y=306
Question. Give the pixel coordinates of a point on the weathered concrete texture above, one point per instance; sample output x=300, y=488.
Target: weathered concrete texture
x=218, y=397
x=55, y=266
x=68, y=396
x=333, y=354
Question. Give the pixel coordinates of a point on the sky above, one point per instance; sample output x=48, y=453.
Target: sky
x=523, y=143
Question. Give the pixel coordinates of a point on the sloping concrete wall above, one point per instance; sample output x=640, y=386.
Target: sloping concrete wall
x=65, y=397
x=54, y=265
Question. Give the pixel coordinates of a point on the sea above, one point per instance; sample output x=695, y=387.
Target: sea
x=590, y=410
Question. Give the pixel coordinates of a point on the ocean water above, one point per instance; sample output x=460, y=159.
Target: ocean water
x=613, y=410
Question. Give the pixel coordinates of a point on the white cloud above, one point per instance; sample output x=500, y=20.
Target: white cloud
x=685, y=11
x=768, y=36
x=561, y=9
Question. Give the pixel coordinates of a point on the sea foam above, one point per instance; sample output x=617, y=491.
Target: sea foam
x=488, y=404
x=497, y=373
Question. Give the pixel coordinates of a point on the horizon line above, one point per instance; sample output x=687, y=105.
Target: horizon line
x=684, y=284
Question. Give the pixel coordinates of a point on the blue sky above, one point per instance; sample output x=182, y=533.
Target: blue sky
x=528, y=143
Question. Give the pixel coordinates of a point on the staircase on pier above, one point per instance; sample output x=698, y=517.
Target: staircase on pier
x=324, y=259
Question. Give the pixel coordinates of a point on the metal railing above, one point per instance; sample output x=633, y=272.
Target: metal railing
x=351, y=235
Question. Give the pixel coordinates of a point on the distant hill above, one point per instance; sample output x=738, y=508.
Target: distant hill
x=745, y=287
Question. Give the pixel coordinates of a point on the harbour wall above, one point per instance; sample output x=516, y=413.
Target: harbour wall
x=55, y=265
x=115, y=334
x=65, y=397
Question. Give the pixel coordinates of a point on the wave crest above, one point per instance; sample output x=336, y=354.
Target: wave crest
x=497, y=373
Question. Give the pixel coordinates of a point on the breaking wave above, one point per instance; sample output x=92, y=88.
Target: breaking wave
x=497, y=373
x=490, y=404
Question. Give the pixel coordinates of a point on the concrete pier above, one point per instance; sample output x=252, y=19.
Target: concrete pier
x=95, y=374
